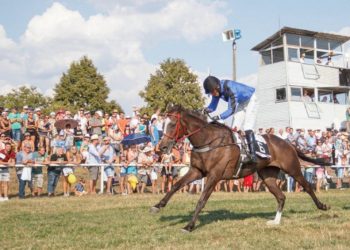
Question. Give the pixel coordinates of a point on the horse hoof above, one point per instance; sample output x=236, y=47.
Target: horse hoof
x=325, y=207
x=154, y=210
x=184, y=230
x=272, y=223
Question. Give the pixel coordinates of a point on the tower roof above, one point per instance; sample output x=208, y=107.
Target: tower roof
x=302, y=32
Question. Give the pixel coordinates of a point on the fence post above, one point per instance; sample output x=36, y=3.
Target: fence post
x=102, y=182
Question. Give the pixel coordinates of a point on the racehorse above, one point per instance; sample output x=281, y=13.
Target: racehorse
x=215, y=155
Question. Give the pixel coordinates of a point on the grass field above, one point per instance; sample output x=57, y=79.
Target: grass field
x=229, y=221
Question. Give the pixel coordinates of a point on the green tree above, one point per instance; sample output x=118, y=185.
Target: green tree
x=24, y=96
x=172, y=83
x=83, y=86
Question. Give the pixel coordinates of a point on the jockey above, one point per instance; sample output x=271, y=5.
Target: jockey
x=241, y=101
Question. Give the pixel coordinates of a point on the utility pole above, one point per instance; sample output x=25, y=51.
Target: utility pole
x=234, y=70
x=232, y=35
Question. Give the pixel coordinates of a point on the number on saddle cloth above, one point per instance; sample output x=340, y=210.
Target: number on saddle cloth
x=261, y=148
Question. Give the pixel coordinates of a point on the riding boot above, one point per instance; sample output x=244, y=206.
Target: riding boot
x=251, y=145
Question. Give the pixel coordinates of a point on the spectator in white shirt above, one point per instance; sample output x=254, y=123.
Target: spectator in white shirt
x=93, y=158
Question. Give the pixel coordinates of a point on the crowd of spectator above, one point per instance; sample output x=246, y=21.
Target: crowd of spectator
x=331, y=145
x=46, y=154
x=31, y=140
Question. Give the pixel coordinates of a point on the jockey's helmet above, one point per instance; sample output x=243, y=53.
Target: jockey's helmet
x=210, y=83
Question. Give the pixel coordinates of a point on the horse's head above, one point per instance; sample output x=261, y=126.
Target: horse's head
x=179, y=124
x=174, y=130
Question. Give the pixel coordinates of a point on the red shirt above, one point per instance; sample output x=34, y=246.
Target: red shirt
x=5, y=156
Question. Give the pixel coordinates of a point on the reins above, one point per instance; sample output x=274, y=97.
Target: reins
x=199, y=149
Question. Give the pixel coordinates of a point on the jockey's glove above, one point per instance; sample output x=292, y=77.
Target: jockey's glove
x=215, y=118
x=206, y=111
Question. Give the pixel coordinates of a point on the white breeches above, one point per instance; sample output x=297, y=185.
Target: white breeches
x=245, y=116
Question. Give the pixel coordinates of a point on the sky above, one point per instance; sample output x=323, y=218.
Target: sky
x=128, y=39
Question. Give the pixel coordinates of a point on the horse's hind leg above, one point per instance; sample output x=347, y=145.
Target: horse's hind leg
x=308, y=188
x=269, y=176
x=208, y=189
x=192, y=174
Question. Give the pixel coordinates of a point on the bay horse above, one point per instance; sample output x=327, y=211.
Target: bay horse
x=215, y=155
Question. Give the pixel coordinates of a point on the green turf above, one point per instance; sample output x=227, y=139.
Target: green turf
x=229, y=221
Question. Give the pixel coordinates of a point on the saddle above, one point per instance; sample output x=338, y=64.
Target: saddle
x=260, y=146
x=261, y=151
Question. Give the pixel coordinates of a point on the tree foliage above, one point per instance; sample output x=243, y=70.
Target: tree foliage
x=172, y=83
x=24, y=96
x=83, y=86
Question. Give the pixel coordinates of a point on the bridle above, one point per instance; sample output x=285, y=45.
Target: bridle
x=180, y=129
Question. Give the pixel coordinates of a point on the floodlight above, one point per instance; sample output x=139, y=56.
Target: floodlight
x=228, y=35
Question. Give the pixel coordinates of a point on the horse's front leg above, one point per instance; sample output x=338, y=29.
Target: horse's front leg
x=208, y=189
x=192, y=175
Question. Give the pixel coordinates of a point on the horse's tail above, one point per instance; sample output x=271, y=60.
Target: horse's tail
x=317, y=161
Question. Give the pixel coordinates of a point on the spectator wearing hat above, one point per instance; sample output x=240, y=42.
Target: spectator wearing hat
x=37, y=114
x=44, y=129
x=94, y=159
x=16, y=124
x=108, y=156
x=24, y=176
x=302, y=143
x=311, y=140
x=7, y=157
x=116, y=138
x=96, y=123
x=57, y=159
x=146, y=161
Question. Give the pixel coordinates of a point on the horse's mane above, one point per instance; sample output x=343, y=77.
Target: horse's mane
x=199, y=115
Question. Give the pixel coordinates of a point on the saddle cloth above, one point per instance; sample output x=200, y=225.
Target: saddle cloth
x=261, y=148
